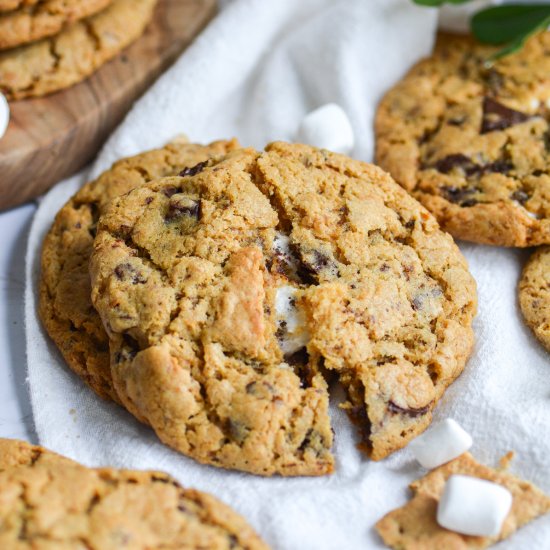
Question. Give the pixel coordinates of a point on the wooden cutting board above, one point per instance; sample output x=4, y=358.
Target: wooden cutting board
x=53, y=137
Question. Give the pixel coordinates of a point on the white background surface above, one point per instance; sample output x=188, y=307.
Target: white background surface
x=15, y=409
x=502, y=397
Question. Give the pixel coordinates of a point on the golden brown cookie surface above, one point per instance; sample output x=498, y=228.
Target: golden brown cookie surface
x=10, y=5
x=534, y=294
x=230, y=292
x=65, y=305
x=60, y=61
x=472, y=142
x=47, y=18
x=414, y=526
x=49, y=501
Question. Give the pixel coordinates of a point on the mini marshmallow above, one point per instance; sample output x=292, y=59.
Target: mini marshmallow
x=473, y=506
x=328, y=127
x=4, y=115
x=291, y=321
x=440, y=443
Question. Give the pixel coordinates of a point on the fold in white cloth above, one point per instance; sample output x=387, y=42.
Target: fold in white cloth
x=253, y=73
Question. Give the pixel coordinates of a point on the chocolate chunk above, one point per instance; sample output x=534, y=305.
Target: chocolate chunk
x=128, y=351
x=169, y=191
x=360, y=418
x=448, y=163
x=468, y=203
x=127, y=271
x=237, y=430
x=498, y=117
x=457, y=121
x=521, y=196
x=413, y=413
x=458, y=195
x=499, y=166
x=193, y=170
x=307, y=440
x=312, y=263
x=182, y=206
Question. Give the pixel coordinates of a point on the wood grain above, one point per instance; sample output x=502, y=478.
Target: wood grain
x=51, y=138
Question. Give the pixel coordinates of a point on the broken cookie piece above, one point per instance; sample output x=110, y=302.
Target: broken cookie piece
x=414, y=526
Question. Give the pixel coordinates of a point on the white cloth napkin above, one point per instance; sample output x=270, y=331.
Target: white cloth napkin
x=253, y=73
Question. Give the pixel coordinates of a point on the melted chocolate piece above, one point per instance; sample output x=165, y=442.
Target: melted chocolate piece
x=446, y=164
x=183, y=206
x=311, y=264
x=307, y=440
x=413, y=413
x=469, y=167
x=128, y=271
x=459, y=195
x=169, y=191
x=457, y=121
x=360, y=418
x=498, y=117
x=499, y=166
x=128, y=351
x=191, y=171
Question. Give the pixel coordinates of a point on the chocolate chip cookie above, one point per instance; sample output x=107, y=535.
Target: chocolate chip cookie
x=414, y=526
x=60, y=61
x=534, y=294
x=65, y=306
x=10, y=5
x=233, y=292
x=471, y=140
x=49, y=501
x=46, y=18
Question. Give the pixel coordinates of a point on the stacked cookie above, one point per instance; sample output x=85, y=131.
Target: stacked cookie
x=218, y=302
x=471, y=141
x=49, y=45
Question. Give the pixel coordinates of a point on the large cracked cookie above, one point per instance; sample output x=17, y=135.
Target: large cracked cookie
x=471, y=141
x=65, y=306
x=534, y=294
x=414, y=526
x=46, y=18
x=60, y=61
x=49, y=501
x=230, y=292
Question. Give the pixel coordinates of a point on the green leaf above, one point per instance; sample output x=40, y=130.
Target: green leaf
x=434, y=3
x=502, y=24
x=511, y=24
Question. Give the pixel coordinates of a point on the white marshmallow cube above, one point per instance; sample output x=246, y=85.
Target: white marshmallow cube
x=291, y=321
x=328, y=127
x=473, y=506
x=441, y=443
x=4, y=115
